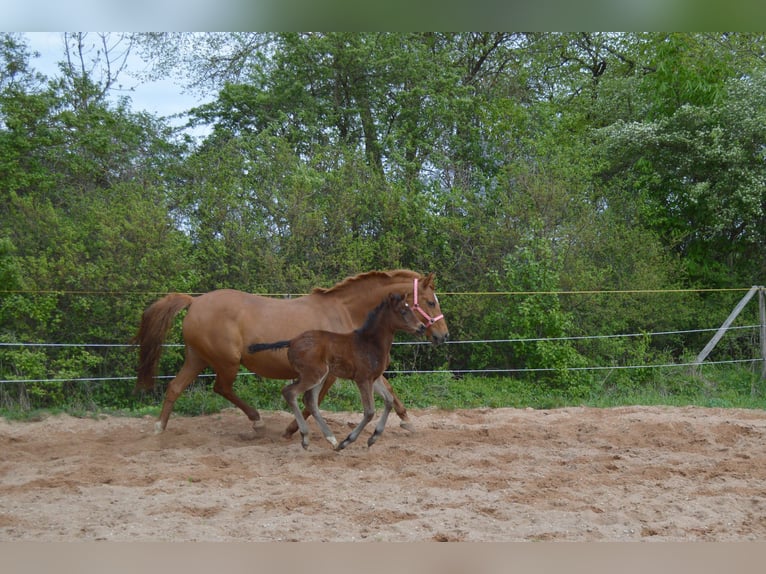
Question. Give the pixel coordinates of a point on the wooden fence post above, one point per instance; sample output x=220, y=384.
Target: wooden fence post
x=762, y=314
x=729, y=320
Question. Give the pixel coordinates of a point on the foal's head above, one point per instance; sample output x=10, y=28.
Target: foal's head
x=400, y=315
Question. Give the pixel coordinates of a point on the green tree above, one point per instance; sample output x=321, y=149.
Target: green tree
x=698, y=179
x=85, y=207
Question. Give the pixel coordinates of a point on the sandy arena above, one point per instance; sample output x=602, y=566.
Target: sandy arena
x=574, y=474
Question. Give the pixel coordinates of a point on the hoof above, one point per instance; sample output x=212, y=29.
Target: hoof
x=158, y=428
x=333, y=441
x=258, y=424
x=408, y=426
x=342, y=445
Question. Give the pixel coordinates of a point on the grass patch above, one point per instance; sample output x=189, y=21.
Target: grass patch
x=721, y=386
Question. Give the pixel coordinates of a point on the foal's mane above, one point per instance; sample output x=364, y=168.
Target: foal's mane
x=372, y=316
x=351, y=281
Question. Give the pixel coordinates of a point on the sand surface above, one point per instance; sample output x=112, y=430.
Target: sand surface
x=572, y=474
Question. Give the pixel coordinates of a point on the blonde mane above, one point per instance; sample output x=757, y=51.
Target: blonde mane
x=349, y=281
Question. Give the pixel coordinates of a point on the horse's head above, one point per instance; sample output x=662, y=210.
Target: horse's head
x=426, y=304
x=403, y=317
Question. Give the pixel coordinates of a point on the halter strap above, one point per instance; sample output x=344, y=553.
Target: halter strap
x=429, y=320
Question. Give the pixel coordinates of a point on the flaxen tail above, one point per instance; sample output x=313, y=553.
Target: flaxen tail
x=255, y=347
x=155, y=323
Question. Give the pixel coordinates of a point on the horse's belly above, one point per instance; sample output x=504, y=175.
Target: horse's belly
x=269, y=367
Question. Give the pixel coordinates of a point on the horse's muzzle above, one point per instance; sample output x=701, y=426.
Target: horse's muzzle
x=439, y=338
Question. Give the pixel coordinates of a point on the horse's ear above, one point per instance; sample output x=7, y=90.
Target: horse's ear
x=429, y=280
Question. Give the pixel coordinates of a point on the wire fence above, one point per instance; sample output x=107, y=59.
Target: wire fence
x=441, y=293
x=488, y=370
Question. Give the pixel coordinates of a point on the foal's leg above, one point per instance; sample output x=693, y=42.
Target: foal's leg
x=368, y=402
x=290, y=393
x=398, y=406
x=307, y=381
x=193, y=366
x=224, y=386
x=293, y=426
x=388, y=402
x=310, y=401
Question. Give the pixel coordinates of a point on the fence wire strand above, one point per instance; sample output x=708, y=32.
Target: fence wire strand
x=447, y=371
x=461, y=342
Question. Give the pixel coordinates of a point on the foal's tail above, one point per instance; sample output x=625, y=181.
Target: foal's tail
x=155, y=323
x=255, y=347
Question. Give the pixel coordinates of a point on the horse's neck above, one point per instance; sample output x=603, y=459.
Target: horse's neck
x=366, y=295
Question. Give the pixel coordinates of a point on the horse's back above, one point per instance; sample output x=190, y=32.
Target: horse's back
x=229, y=305
x=232, y=314
x=218, y=311
x=221, y=324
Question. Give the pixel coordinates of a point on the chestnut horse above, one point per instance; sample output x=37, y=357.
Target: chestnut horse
x=361, y=355
x=219, y=326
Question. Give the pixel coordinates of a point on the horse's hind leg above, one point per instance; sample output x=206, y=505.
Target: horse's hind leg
x=388, y=402
x=368, y=402
x=224, y=386
x=193, y=366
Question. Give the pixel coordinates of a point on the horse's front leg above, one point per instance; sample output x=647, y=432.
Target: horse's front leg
x=368, y=402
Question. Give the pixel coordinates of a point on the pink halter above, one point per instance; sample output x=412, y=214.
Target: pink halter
x=429, y=320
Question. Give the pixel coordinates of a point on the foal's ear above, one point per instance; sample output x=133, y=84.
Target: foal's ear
x=397, y=299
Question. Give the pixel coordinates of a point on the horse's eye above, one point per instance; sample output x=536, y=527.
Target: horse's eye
x=431, y=303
